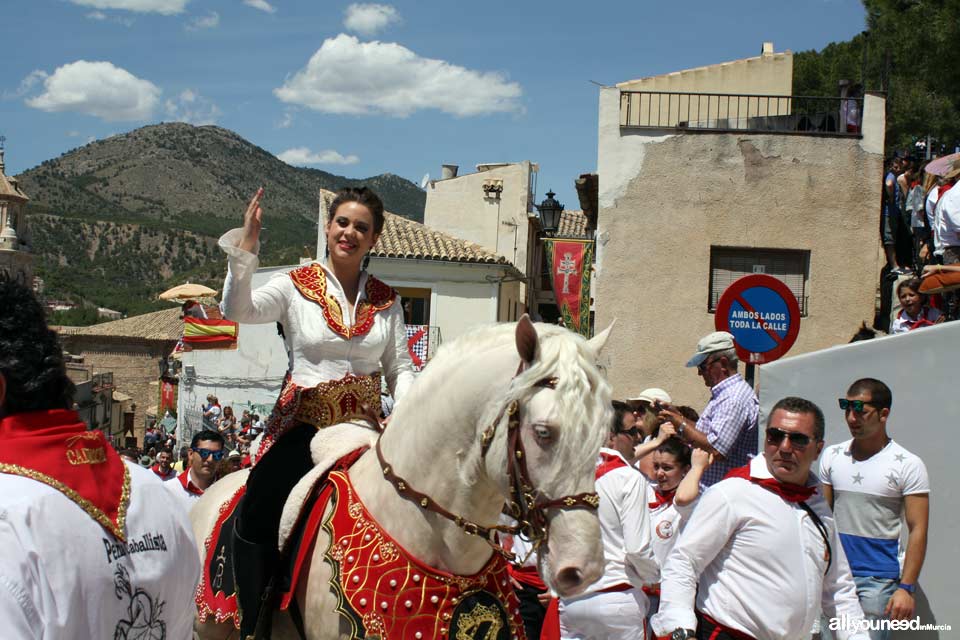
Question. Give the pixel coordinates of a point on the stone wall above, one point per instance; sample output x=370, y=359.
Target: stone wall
x=134, y=364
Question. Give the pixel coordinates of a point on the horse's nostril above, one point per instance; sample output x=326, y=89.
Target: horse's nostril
x=569, y=578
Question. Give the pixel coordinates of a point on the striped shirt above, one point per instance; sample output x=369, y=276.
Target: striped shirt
x=730, y=423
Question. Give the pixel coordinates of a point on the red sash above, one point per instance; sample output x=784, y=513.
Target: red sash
x=55, y=448
x=788, y=491
x=608, y=462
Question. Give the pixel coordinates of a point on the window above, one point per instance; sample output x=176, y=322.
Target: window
x=416, y=305
x=728, y=264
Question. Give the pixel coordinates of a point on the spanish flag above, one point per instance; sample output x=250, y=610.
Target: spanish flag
x=209, y=333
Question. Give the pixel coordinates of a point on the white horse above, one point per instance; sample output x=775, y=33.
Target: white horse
x=439, y=440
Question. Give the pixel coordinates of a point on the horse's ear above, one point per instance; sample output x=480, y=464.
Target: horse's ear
x=527, y=342
x=596, y=342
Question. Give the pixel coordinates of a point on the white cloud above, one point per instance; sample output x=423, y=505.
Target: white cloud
x=191, y=107
x=98, y=89
x=97, y=15
x=303, y=155
x=209, y=21
x=263, y=5
x=165, y=7
x=347, y=76
x=26, y=85
x=369, y=19
x=287, y=120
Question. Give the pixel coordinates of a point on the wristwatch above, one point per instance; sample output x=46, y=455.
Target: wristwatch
x=682, y=634
x=909, y=588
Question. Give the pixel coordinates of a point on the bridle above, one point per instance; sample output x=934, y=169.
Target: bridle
x=525, y=504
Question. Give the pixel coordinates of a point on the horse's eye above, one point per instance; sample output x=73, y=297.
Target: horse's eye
x=543, y=433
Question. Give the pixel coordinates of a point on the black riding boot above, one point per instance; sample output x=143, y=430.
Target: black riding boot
x=254, y=570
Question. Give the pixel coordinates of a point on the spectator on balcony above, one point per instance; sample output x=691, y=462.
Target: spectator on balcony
x=915, y=312
x=211, y=412
x=227, y=424
x=850, y=108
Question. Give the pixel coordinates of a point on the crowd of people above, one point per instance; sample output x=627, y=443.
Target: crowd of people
x=705, y=536
x=920, y=232
x=711, y=528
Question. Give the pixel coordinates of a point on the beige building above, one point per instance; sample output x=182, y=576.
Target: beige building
x=15, y=257
x=694, y=194
x=492, y=208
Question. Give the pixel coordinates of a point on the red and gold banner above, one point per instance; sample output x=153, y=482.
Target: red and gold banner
x=569, y=262
x=210, y=333
x=168, y=398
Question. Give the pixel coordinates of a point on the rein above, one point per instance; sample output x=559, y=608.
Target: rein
x=525, y=503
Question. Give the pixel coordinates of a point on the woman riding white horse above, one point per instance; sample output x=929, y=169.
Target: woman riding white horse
x=341, y=327
x=487, y=400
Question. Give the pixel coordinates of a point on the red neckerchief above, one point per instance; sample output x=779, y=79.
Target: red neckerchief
x=921, y=320
x=943, y=189
x=55, y=448
x=188, y=485
x=663, y=497
x=160, y=474
x=608, y=462
x=786, y=490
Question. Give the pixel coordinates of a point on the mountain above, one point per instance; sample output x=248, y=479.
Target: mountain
x=116, y=221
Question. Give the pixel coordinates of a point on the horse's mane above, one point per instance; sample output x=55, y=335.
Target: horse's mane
x=581, y=392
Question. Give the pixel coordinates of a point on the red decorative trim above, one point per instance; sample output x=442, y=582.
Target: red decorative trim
x=221, y=606
x=311, y=282
x=383, y=590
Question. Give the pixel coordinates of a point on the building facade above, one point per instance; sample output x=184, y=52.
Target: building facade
x=710, y=174
x=15, y=257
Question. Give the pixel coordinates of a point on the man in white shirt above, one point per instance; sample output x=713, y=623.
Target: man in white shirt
x=93, y=546
x=760, y=555
x=206, y=451
x=614, y=607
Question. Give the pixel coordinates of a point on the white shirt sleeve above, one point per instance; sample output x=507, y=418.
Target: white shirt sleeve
x=915, y=479
x=240, y=304
x=635, y=519
x=839, y=595
x=711, y=525
x=396, y=361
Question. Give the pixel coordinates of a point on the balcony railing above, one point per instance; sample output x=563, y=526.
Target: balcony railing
x=728, y=112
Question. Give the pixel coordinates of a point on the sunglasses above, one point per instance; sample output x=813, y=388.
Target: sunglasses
x=853, y=405
x=206, y=453
x=633, y=432
x=703, y=366
x=798, y=440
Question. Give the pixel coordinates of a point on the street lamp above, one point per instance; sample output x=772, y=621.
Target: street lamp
x=550, y=211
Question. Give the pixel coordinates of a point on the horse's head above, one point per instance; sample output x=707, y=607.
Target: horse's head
x=563, y=412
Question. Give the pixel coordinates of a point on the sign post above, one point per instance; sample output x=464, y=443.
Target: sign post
x=763, y=316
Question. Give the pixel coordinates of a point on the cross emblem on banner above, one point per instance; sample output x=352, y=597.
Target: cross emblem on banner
x=566, y=268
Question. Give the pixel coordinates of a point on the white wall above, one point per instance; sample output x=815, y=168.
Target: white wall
x=920, y=369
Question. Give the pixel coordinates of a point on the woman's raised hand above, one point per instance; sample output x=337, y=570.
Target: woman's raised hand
x=252, y=223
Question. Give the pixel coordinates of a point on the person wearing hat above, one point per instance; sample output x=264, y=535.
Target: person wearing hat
x=947, y=217
x=727, y=427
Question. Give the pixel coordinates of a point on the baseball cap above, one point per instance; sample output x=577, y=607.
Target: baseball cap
x=716, y=341
x=651, y=395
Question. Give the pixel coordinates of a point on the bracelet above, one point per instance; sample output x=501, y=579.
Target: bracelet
x=681, y=428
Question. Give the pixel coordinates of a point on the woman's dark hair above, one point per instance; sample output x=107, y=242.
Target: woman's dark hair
x=360, y=195
x=31, y=360
x=677, y=448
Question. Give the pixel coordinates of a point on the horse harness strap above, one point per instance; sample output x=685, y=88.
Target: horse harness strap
x=525, y=505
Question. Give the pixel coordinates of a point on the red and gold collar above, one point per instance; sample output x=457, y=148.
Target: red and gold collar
x=311, y=282
x=385, y=591
x=55, y=448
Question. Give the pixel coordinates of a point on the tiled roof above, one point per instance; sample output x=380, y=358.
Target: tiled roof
x=573, y=224
x=166, y=325
x=10, y=188
x=404, y=238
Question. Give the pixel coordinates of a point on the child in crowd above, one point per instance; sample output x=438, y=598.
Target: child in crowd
x=672, y=493
x=915, y=312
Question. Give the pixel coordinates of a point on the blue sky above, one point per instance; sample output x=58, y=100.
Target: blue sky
x=359, y=89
